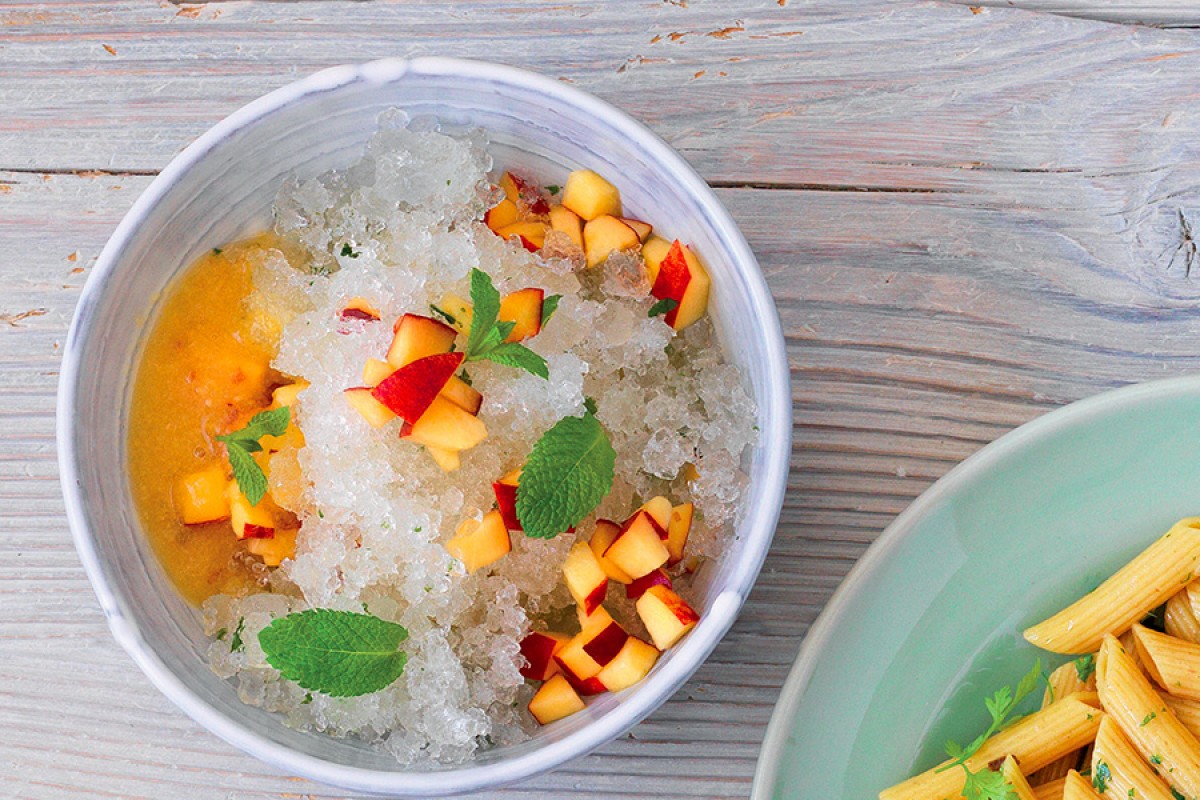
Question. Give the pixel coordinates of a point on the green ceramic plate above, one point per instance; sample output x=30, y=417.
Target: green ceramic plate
x=929, y=621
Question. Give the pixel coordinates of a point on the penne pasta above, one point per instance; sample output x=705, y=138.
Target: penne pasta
x=1035, y=741
x=1180, y=616
x=1011, y=771
x=1173, y=663
x=1052, y=790
x=1140, y=586
x=1188, y=712
x=1118, y=768
x=1077, y=787
x=1146, y=720
x=1062, y=682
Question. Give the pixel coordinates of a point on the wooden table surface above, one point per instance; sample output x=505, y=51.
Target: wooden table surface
x=968, y=215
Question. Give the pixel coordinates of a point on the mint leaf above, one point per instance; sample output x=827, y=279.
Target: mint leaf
x=337, y=653
x=248, y=474
x=236, y=645
x=567, y=474
x=273, y=422
x=664, y=306
x=514, y=354
x=485, y=301
x=549, y=306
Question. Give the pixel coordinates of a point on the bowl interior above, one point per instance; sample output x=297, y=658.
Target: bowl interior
x=930, y=622
x=224, y=189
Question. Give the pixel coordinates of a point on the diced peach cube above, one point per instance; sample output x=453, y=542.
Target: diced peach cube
x=678, y=530
x=373, y=411
x=591, y=196
x=654, y=250
x=288, y=394
x=463, y=395
x=242, y=514
x=530, y=233
x=478, y=543
x=447, y=426
x=524, y=308
x=506, y=499
x=202, y=496
x=639, y=549
x=604, y=534
x=666, y=615
x=417, y=337
x=585, y=579
x=375, y=370
x=566, y=221
x=360, y=308
x=448, y=460
x=605, y=235
x=642, y=229
x=274, y=550
x=538, y=649
x=501, y=215
x=554, y=700
x=459, y=311
x=682, y=278
x=659, y=508
x=629, y=666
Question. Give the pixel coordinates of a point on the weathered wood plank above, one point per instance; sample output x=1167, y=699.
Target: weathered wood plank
x=1163, y=13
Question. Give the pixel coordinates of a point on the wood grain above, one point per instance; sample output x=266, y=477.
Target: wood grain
x=967, y=219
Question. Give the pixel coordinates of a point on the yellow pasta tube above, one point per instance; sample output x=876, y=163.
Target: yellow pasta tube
x=1140, y=586
x=1173, y=663
x=1016, y=779
x=1145, y=719
x=1077, y=787
x=1035, y=741
x=1180, y=616
x=1052, y=790
x=1188, y=712
x=1119, y=768
x=1062, y=682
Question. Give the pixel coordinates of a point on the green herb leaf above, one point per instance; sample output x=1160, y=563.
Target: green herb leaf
x=664, y=306
x=549, y=306
x=240, y=444
x=1101, y=777
x=988, y=784
x=514, y=354
x=1000, y=706
x=337, y=653
x=1085, y=666
x=485, y=301
x=347, y=250
x=590, y=405
x=1176, y=794
x=552, y=189
x=568, y=473
x=236, y=645
x=443, y=314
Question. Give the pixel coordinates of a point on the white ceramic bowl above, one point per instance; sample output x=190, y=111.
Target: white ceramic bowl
x=220, y=189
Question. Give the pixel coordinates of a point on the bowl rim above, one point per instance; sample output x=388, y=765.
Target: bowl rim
x=758, y=523
x=895, y=535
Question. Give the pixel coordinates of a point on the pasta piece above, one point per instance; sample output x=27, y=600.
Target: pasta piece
x=1145, y=719
x=1062, y=682
x=1035, y=741
x=1077, y=787
x=1118, y=768
x=1143, y=584
x=1180, y=617
x=1188, y=712
x=1173, y=663
x=1050, y=791
x=1011, y=771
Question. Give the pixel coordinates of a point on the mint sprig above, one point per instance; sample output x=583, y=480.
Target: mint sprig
x=486, y=340
x=549, y=306
x=242, y=444
x=664, y=306
x=568, y=473
x=337, y=653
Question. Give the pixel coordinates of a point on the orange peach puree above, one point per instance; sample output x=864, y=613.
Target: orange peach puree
x=200, y=374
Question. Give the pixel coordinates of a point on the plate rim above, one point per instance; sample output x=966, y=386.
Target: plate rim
x=875, y=558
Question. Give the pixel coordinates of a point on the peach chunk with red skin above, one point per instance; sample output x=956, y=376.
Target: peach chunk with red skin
x=417, y=336
x=374, y=412
x=463, y=395
x=501, y=215
x=639, y=549
x=410, y=390
x=585, y=578
x=632, y=663
x=478, y=543
x=605, y=235
x=666, y=615
x=682, y=278
x=538, y=650
x=660, y=508
x=578, y=665
x=524, y=309
x=505, y=490
x=554, y=700
x=360, y=308
x=638, y=588
x=564, y=220
x=678, y=530
x=602, y=536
